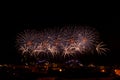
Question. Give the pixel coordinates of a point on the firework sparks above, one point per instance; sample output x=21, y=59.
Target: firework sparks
x=101, y=48
x=27, y=40
x=67, y=41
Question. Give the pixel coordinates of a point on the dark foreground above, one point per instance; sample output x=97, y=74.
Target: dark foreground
x=74, y=74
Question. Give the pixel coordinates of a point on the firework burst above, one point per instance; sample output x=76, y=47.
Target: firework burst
x=27, y=41
x=66, y=41
x=101, y=48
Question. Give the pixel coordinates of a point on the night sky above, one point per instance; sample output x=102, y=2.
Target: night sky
x=106, y=25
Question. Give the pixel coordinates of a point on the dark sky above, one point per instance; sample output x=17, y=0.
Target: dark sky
x=107, y=25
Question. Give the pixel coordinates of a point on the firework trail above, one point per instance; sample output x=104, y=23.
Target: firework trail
x=101, y=48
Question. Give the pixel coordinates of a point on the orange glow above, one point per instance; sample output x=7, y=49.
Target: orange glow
x=102, y=70
x=84, y=40
x=29, y=43
x=117, y=72
x=60, y=70
x=71, y=40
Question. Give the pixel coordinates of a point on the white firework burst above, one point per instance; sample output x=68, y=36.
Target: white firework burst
x=101, y=48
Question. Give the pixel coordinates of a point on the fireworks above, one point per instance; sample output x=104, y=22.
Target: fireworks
x=101, y=48
x=65, y=41
x=27, y=41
